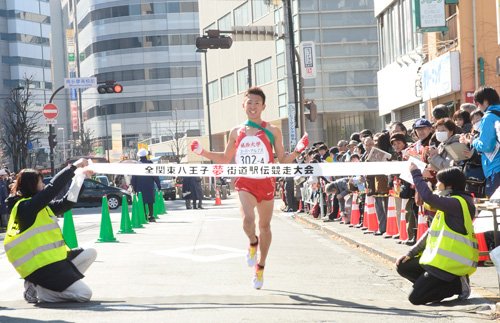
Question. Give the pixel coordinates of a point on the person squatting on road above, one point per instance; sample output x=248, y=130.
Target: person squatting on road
x=440, y=263
x=34, y=244
x=252, y=143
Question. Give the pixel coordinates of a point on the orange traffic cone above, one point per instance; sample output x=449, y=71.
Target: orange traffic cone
x=483, y=247
x=300, y=206
x=217, y=197
x=403, y=234
x=355, y=211
x=392, y=222
x=365, y=215
x=422, y=224
x=372, y=221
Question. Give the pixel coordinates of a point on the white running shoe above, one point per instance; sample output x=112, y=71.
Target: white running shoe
x=258, y=278
x=252, y=254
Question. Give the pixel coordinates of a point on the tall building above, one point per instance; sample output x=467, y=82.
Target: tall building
x=25, y=28
x=148, y=48
x=344, y=90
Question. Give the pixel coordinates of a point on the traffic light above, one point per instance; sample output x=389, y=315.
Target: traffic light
x=313, y=110
x=109, y=87
x=206, y=42
x=52, y=140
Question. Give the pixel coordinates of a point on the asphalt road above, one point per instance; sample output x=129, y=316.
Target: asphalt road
x=190, y=267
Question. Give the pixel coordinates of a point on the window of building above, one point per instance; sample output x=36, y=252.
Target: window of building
x=242, y=79
x=242, y=15
x=259, y=9
x=227, y=85
x=308, y=5
x=213, y=91
x=225, y=23
x=345, y=5
x=263, y=72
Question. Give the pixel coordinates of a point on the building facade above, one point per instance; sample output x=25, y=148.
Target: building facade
x=25, y=31
x=344, y=90
x=149, y=48
x=423, y=67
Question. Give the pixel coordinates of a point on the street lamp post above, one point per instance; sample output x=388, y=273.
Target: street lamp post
x=64, y=145
x=204, y=51
x=105, y=108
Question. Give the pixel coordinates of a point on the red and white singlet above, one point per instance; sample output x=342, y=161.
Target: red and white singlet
x=253, y=150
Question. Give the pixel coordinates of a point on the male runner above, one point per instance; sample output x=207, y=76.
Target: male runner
x=252, y=143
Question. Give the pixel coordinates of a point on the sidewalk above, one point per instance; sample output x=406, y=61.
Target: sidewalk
x=483, y=282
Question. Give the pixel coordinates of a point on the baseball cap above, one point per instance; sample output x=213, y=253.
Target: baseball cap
x=142, y=152
x=352, y=143
x=420, y=123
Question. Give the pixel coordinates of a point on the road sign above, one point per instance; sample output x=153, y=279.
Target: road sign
x=50, y=121
x=50, y=111
x=308, y=59
x=291, y=126
x=80, y=82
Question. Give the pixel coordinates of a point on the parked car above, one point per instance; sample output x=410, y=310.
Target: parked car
x=94, y=191
x=103, y=179
x=168, y=187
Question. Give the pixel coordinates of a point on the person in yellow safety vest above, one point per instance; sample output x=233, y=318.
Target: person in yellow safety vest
x=440, y=263
x=34, y=244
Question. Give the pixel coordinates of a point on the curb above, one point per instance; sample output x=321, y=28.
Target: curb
x=384, y=253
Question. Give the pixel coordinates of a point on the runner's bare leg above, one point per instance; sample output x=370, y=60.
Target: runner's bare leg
x=248, y=202
x=265, y=211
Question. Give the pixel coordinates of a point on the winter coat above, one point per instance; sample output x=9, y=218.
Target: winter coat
x=145, y=184
x=193, y=185
x=442, y=159
x=487, y=143
x=3, y=197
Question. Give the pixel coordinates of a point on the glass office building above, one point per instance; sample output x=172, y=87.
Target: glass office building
x=149, y=48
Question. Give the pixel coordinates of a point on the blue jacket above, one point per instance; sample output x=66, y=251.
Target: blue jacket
x=487, y=143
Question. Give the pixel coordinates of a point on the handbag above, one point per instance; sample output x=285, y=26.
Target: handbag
x=315, y=210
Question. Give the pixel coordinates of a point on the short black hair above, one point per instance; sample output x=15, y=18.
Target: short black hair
x=486, y=92
x=333, y=150
x=440, y=111
x=355, y=136
x=323, y=147
x=257, y=91
x=453, y=177
x=355, y=156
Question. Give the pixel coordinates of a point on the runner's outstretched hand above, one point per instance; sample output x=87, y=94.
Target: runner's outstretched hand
x=196, y=147
x=303, y=142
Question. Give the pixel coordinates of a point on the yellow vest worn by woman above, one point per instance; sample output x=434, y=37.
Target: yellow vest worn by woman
x=38, y=246
x=448, y=250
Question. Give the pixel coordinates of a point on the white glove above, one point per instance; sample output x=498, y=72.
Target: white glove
x=303, y=142
x=196, y=147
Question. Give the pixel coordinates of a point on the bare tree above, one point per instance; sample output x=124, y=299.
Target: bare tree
x=19, y=125
x=177, y=145
x=83, y=145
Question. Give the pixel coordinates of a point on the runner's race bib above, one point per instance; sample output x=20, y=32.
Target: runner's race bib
x=252, y=151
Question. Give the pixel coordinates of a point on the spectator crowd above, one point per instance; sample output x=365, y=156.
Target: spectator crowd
x=469, y=140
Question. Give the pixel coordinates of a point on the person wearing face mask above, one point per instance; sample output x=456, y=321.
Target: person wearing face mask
x=446, y=135
x=473, y=169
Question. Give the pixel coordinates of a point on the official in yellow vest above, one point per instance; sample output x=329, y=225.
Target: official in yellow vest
x=440, y=263
x=34, y=243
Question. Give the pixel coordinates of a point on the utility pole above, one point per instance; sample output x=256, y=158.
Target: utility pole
x=291, y=69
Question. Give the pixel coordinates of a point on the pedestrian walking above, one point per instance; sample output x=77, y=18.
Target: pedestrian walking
x=146, y=185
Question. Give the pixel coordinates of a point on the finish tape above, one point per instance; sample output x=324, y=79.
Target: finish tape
x=258, y=170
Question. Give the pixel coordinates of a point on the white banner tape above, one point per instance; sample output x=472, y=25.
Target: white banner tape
x=259, y=170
